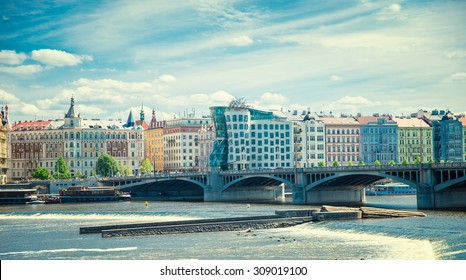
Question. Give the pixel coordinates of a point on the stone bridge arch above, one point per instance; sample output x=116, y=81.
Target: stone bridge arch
x=451, y=183
x=246, y=177
x=257, y=188
x=172, y=189
x=344, y=187
x=354, y=180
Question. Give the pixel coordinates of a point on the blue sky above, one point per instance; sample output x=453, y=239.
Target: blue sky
x=175, y=56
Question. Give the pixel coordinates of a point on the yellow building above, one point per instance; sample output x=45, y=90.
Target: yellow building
x=4, y=144
x=414, y=140
x=154, y=143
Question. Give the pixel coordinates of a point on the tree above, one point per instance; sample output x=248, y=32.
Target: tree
x=391, y=163
x=61, y=169
x=79, y=174
x=41, y=173
x=321, y=164
x=146, y=166
x=431, y=161
x=405, y=162
x=418, y=160
x=124, y=170
x=362, y=163
x=350, y=163
x=376, y=162
x=335, y=163
x=106, y=166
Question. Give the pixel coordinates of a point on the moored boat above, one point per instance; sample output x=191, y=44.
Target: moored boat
x=391, y=189
x=92, y=194
x=17, y=196
x=35, y=202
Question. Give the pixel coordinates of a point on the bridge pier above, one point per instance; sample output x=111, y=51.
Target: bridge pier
x=425, y=197
x=298, y=195
x=335, y=196
x=213, y=191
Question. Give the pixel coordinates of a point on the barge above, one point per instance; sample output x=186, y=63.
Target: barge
x=92, y=194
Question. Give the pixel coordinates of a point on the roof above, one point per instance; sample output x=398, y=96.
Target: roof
x=463, y=120
x=144, y=125
x=339, y=121
x=368, y=119
x=72, y=112
x=31, y=125
x=411, y=122
x=130, y=121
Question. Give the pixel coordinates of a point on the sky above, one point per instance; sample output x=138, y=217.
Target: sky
x=179, y=57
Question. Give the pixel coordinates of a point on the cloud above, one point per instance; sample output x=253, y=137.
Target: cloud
x=273, y=98
x=166, y=78
x=16, y=106
x=22, y=69
x=360, y=104
x=58, y=58
x=12, y=57
x=396, y=8
x=241, y=41
x=455, y=77
x=455, y=54
x=115, y=85
x=335, y=78
x=357, y=100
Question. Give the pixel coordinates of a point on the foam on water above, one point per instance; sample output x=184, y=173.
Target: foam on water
x=384, y=247
x=114, y=217
x=70, y=250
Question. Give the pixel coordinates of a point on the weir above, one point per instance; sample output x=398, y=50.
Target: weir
x=281, y=219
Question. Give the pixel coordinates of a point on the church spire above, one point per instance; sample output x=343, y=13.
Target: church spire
x=153, y=121
x=72, y=112
x=141, y=114
x=130, y=122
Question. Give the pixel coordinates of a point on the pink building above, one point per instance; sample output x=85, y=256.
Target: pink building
x=343, y=140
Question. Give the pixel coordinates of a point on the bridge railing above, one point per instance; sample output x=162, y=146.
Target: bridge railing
x=346, y=168
x=299, y=170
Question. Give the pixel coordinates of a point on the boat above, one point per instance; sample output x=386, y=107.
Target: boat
x=92, y=194
x=17, y=196
x=35, y=202
x=390, y=189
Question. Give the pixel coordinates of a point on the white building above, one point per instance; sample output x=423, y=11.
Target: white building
x=251, y=139
x=205, y=142
x=78, y=141
x=181, y=147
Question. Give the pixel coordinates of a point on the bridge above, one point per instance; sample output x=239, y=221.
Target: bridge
x=439, y=186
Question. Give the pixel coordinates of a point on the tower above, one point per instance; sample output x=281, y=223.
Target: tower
x=141, y=114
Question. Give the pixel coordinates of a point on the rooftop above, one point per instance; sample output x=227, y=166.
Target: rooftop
x=411, y=122
x=339, y=120
x=368, y=119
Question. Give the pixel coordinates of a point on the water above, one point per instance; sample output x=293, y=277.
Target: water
x=52, y=232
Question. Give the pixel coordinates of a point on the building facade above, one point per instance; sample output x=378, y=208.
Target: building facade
x=206, y=142
x=447, y=135
x=4, y=145
x=247, y=138
x=463, y=122
x=154, y=145
x=181, y=147
x=414, y=140
x=78, y=141
x=379, y=136
x=343, y=140
x=308, y=138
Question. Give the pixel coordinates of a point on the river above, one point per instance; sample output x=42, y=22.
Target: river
x=51, y=232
